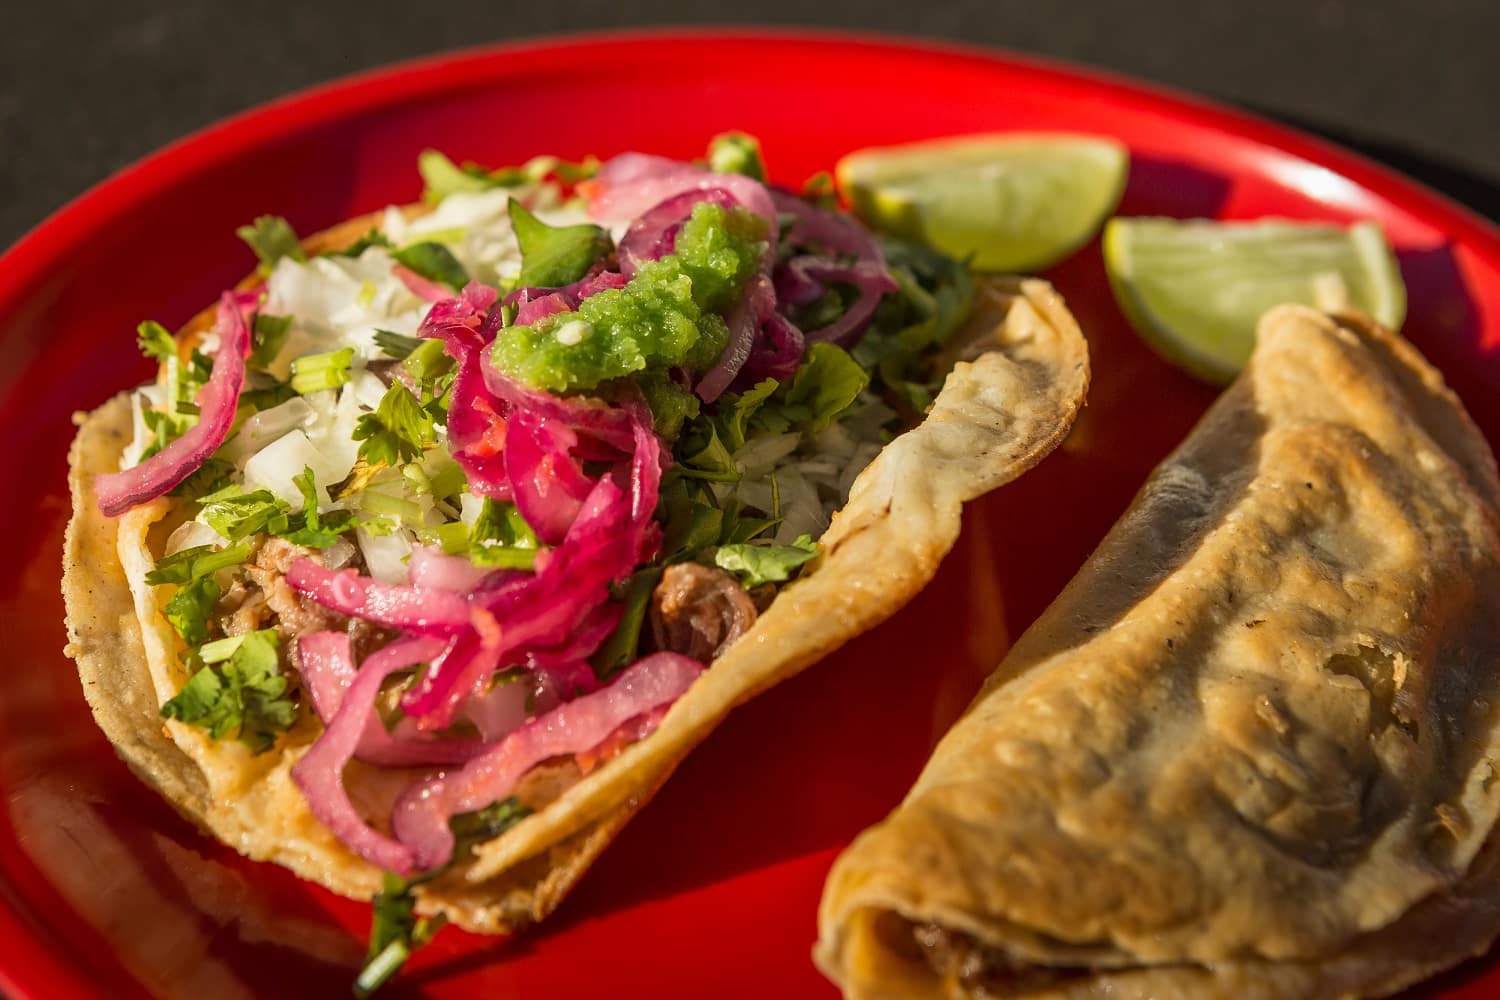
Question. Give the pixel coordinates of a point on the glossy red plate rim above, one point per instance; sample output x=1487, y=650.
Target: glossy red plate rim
x=28, y=968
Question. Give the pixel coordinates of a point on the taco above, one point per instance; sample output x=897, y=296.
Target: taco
x=442, y=539
x=1250, y=750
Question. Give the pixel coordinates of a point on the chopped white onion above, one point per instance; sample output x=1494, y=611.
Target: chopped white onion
x=189, y=534
x=273, y=467
x=385, y=555
x=266, y=426
x=469, y=507
x=366, y=388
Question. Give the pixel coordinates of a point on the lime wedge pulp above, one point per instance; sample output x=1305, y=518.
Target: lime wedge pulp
x=1007, y=201
x=1196, y=289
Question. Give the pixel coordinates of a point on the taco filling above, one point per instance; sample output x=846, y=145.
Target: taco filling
x=484, y=490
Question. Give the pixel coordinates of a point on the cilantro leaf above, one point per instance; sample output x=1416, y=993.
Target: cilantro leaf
x=309, y=528
x=552, y=256
x=190, y=607
x=195, y=563
x=244, y=697
x=934, y=296
x=395, y=931
x=821, y=190
x=827, y=384
x=735, y=411
x=236, y=514
x=155, y=341
x=434, y=262
x=397, y=431
x=758, y=564
x=689, y=524
x=428, y=361
x=707, y=456
x=373, y=238
x=500, y=537
x=442, y=177
x=268, y=335
x=736, y=153
x=272, y=238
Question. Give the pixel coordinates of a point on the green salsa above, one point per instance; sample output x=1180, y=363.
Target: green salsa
x=667, y=315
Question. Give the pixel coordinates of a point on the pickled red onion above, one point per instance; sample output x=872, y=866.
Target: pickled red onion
x=217, y=400
x=420, y=819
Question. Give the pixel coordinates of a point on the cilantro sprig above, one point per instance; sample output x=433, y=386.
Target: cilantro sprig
x=193, y=570
x=754, y=564
x=272, y=238
x=398, y=431
x=434, y=262
x=244, y=696
x=395, y=929
x=500, y=537
x=442, y=177
x=314, y=530
x=236, y=514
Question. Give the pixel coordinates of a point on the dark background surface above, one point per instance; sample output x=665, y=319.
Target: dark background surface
x=87, y=87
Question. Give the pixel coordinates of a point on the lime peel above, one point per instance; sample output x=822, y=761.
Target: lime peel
x=1195, y=289
x=1015, y=202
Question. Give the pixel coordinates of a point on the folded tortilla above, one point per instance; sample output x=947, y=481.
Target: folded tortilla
x=1020, y=374
x=1251, y=750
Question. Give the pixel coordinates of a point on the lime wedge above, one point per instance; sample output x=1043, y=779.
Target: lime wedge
x=1010, y=202
x=1195, y=290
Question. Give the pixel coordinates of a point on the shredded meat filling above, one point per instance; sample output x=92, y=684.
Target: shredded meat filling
x=263, y=599
x=969, y=968
x=699, y=611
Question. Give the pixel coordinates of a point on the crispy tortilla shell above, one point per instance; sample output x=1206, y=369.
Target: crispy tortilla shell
x=997, y=415
x=1251, y=750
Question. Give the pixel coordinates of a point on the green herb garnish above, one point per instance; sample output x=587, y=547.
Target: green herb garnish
x=434, y=262
x=243, y=696
x=398, y=431
x=309, y=528
x=755, y=564
x=272, y=238
x=235, y=514
x=268, y=335
x=155, y=341
x=619, y=650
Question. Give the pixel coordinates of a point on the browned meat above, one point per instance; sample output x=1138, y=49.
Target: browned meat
x=968, y=968
x=699, y=611
x=294, y=614
x=242, y=609
x=262, y=598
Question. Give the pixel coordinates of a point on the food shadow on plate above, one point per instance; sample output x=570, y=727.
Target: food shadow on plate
x=1169, y=187
x=1443, y=323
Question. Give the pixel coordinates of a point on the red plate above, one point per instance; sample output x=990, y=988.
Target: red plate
x=712, y=891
